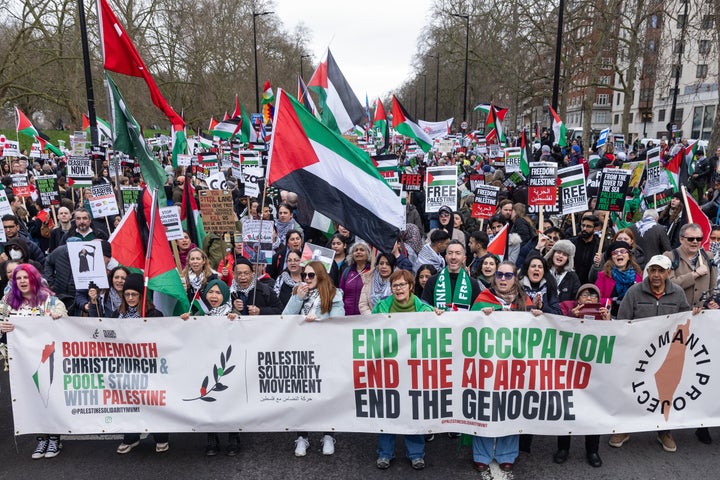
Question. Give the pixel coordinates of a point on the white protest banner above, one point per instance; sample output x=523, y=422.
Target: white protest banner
x=216, y=181
x=35, y=150
x=573, y=192
x=436, y=129
x=80, y=172
x=103, y=202
x=86, y=261
x=251, y=178
x=657, y=179
x=10, y=148
x=512, y=159
x=489, y=375
x=184, y=160
x=317, y=253
x=441, y=188
x=78, y=143
x=257, y=240
x=170, y=218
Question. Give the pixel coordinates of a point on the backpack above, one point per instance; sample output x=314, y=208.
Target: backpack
x=676, y=259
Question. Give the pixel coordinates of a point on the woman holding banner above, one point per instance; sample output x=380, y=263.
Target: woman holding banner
x=505, y=293
x=317, y=299
x=29, y=296
x=130, y=307
x=376, y=283
x=402, y=300
x=290, y=277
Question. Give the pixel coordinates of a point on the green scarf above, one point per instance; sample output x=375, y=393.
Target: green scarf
x=396, y=307
x=460, y=296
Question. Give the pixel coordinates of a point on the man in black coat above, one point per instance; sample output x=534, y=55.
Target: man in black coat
x=586, y=246
x=250, y=297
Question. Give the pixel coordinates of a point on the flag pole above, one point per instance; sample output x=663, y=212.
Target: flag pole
x=148, y=253
x=88, y=74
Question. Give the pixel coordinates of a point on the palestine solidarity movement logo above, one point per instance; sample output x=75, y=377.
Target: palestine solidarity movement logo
x=43, y=376
x=674, y=370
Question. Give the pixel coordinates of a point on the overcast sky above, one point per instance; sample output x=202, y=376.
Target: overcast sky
x=373, y=41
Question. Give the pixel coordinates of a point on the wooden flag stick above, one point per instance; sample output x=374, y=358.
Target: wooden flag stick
x=574, y=224
x=604, y=229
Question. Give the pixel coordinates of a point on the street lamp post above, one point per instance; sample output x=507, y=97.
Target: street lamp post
x=558, y=52
x=301, y=64
x=467, y=44
x=257, y=82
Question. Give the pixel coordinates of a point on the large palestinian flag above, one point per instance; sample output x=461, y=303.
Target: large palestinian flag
x=405, y=125
x=340, y=109
x=337, y=178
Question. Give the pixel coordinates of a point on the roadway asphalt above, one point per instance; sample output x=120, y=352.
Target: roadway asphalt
x=270, y=456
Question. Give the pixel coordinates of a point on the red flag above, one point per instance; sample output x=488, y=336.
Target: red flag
x=237, y=113
x=498, y=245
x=696, y=215
x=213, y=124
x=491, y=124
x=127, y=244
x=121, y=56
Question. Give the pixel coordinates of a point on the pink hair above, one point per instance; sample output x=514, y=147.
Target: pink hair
x=39, y=290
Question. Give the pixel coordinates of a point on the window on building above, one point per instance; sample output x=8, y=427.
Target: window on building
x=651, y=45
x=704, y=47
x=679, y=47
x=604, y=80
x=601, y=117
x=661, y=115
x=676, y=70
x=697, y=122
x=602, y=99
x=708, y=21
x=631, y=117
x=702, y=122
x=616, y=119
x=654, y=21
x=646, y=94
x=679, y=114
x=673, y=91
x=701, y=71
x=681, y=21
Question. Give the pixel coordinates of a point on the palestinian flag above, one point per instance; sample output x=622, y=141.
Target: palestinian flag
x=248, y=134
x=237, y=113
x=498, y=245
x=190, y=214
x=380, y=125
x=213, y=124
x=128, y=138
x=559, y=129
x=104, y=128
x=340, y=109
x=689, y=152
x=405, y=125
x=493, y=128
x=525, y=154
x=267, y=107
x=305, y=98
x=131, y=240
x=198, y=305
x=673, y=167
x=179, y=143
x=696, y=215
x=487, y=299
x=227, y=128
x=25, y=126
x=500, y=112
x=337, y=178
x=45, y=373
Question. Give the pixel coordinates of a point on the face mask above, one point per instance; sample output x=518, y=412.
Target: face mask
x=15, y=254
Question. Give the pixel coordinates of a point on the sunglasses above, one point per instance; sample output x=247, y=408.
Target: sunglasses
x=619, y=251
x=693, y=239
x=504, y=275
x=309, y=275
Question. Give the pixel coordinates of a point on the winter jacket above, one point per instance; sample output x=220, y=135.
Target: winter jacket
x=640, y=302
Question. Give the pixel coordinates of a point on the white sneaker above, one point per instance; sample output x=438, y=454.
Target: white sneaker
x=41, y=448
x=301, y=446
x=328, y=445
x=54, y=447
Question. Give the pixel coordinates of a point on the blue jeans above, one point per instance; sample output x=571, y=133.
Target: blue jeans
x=502, y=449
x=414, y=446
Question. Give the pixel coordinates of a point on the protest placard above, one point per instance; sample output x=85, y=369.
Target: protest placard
x=412, y=182
x=542, y=184
x=217, y=210
x=441, y=188
x=170, y=218
x=47, y=189
x=512, y=159
x=79, y=169
x=21, y=185
x=573, y=193
x=102, y=201
x=129, y=196
x=257, y=240
x=613, y=188
x=87, y=264
x=485, y=202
